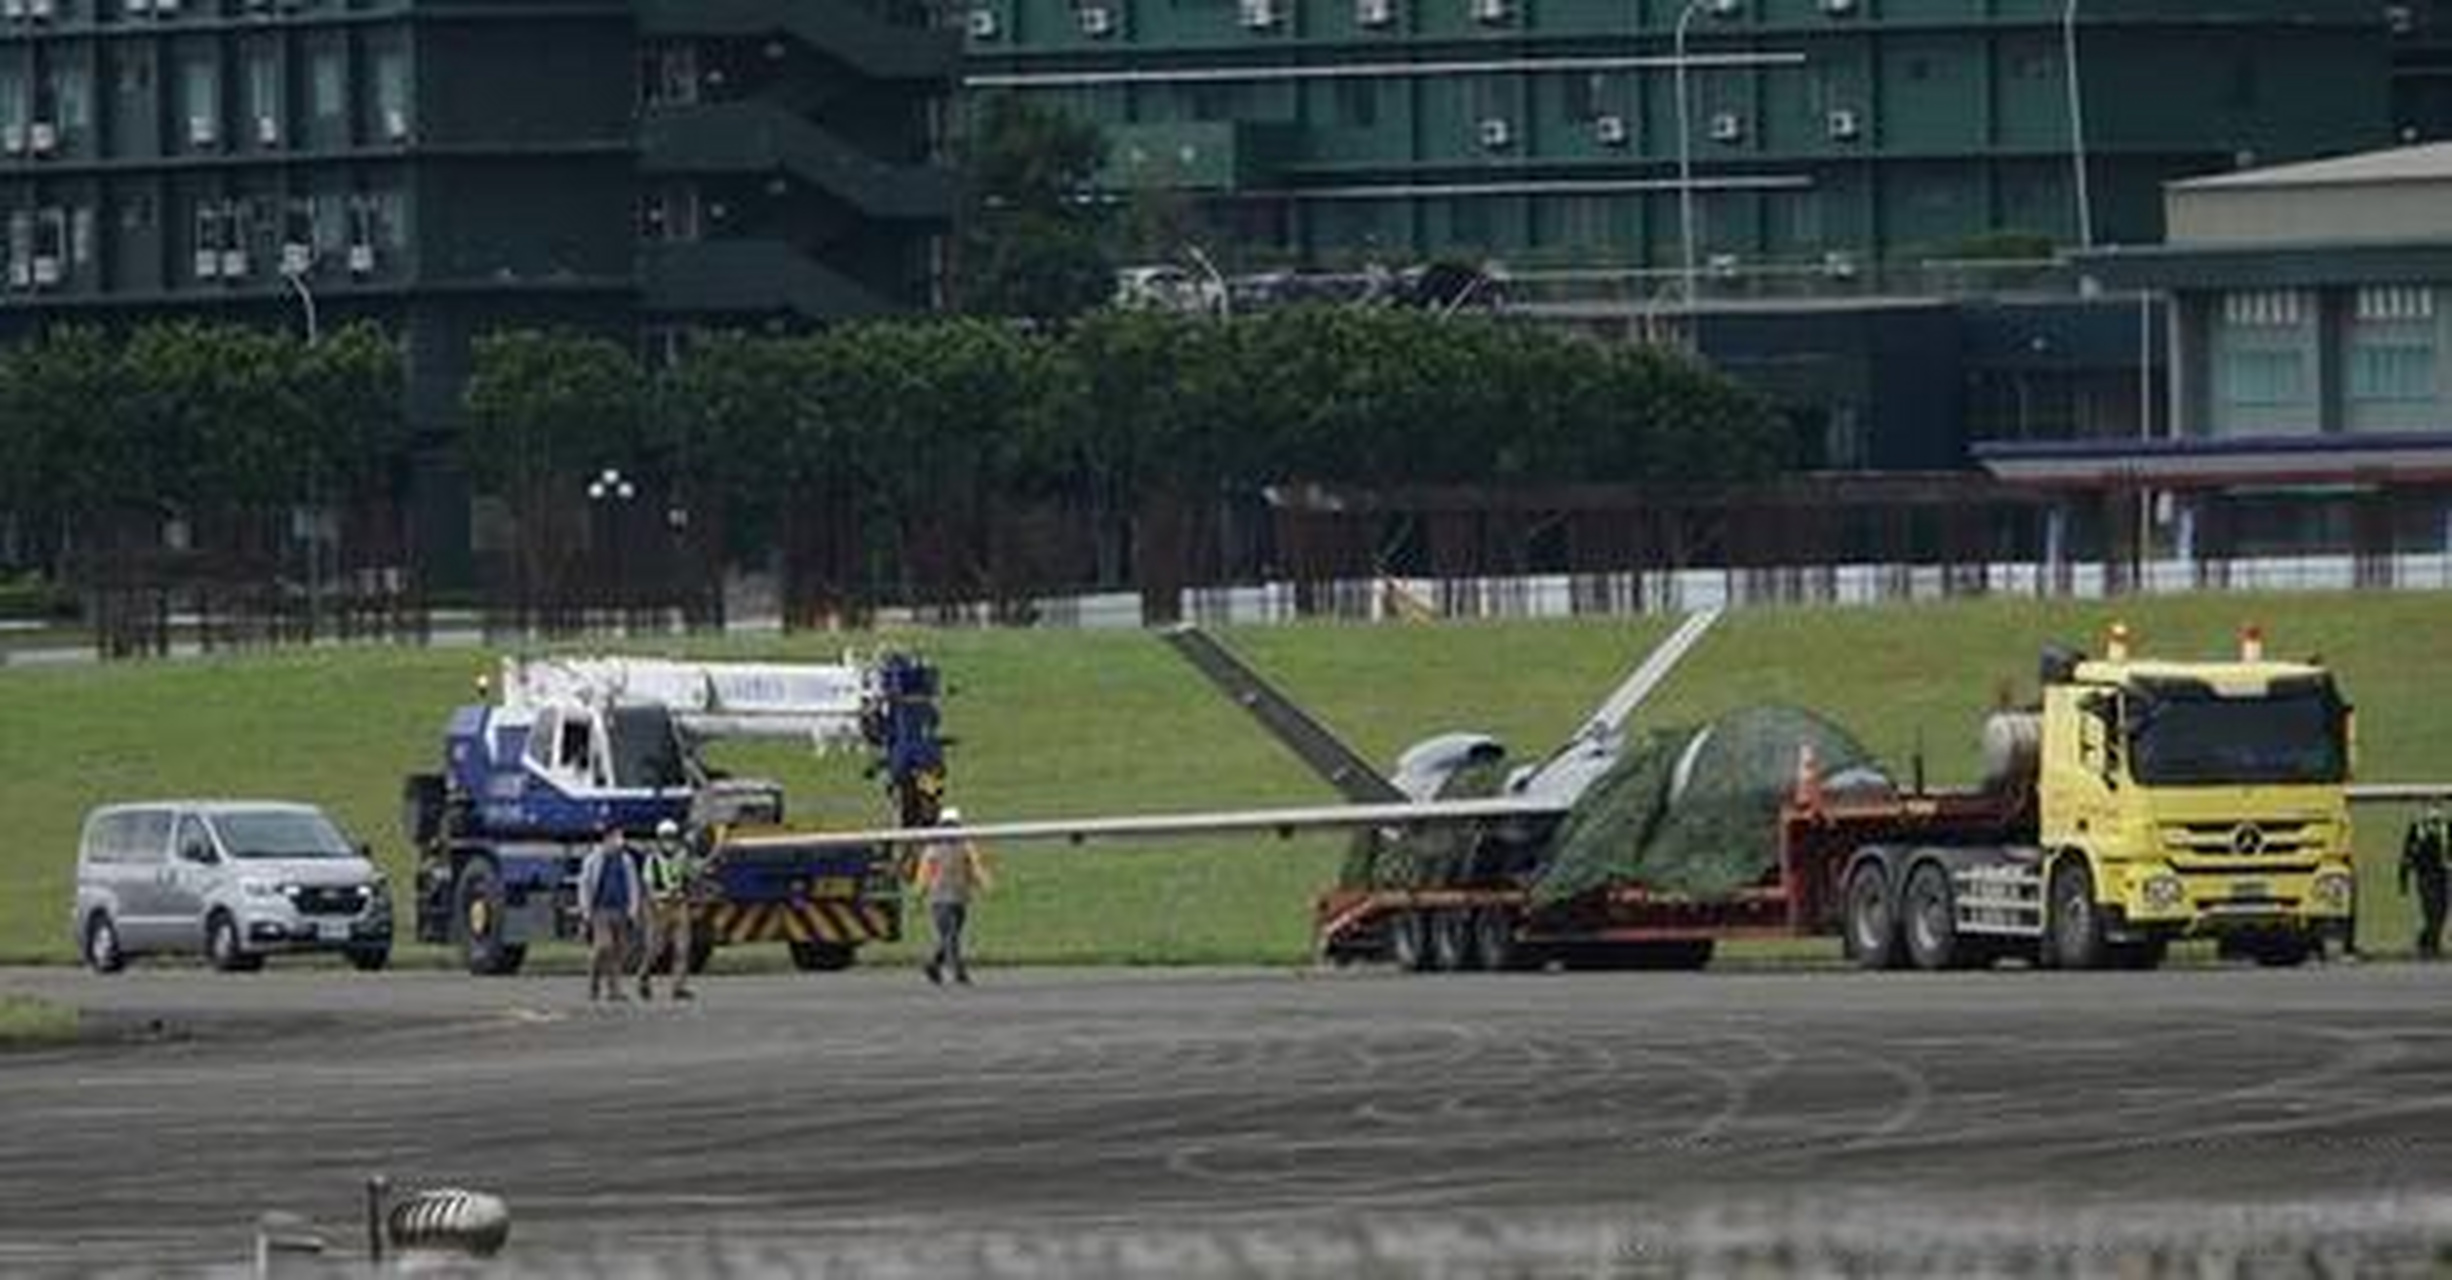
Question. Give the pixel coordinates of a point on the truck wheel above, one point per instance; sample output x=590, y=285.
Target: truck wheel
x=1494, y=946
x=821, y=957
x=1408, y=950
x=479, y=913
x=1930, y=919
x=2077, y=923
x=102, y=952
x=1451, y=942
x=224, y=948
x=1873, y=926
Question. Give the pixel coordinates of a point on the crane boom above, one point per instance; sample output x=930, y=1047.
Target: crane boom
x=821, y=703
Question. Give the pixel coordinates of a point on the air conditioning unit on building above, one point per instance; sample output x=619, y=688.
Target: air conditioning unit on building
x=1844, y=125
x=1839, y=264
x=1374, y=13
x=1496, y=133
x=13, y=9
x=40, y=10
x=1260, y=15
x=1610, y=130
x=297, y=259
x=1724, y=265
x=1838, y=8
x=361, y=259
x=1727, y=8
x=165, y=6
x=137, y=7
x=46, y=271
x=42, y=137
x=1097, y=20
x=208, y=263
x=13, y=139
x=21, y=274
x=203, y=131
x=396, y=124
x=2400, y=19
x=1727, y=126
x=1491, y=10
x=983, y=24
x=234, y=264
x=267, y=131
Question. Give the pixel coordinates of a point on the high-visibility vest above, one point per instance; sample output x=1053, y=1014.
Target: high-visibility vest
x=668, y=873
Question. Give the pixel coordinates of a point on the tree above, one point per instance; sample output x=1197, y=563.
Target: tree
x=546, y=409
x=1031, y=243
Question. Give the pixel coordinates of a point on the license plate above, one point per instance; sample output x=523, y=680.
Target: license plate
x=2247, y=889
x=333, y=930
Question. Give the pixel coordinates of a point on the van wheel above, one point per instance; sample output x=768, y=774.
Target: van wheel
x=102, y=953
x=223, y=947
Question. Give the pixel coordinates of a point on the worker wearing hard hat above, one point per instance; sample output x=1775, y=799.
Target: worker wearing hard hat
x=669, y=875
x=951, y=869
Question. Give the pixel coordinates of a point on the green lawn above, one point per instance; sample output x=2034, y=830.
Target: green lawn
x=26, y=1022
x=1054, y=723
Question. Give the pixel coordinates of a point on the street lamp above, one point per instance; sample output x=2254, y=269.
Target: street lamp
x=2077, y=125
x=608, y=492
x=1685, y=152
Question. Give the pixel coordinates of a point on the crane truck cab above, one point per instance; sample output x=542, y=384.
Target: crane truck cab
x=2193, y=799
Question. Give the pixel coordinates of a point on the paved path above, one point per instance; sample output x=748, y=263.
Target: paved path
x=800, y=1109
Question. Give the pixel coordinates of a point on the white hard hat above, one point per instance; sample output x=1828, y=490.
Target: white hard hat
x=667, y=829
x=949, y=813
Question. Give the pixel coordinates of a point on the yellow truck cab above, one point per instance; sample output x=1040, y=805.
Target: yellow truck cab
x=2192, y=799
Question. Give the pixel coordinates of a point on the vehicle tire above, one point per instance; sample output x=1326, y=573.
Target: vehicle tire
x=102, y=950
x=1494, y=945
x=478, y=914
x=1451, y=942
x=1872, y=919
x=1408, y=949
x=370, y=959
x=822, y=957
x=227, y=951
x=2076, y=923
x=1929, y=919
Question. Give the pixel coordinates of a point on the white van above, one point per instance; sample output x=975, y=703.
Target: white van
x=233, y=880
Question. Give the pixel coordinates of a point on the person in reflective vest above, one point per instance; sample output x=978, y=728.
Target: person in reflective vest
x=669, y=873
x=950, y=871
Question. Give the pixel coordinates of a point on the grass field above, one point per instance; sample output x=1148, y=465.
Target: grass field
x=26, y=1022
x=1053, y=723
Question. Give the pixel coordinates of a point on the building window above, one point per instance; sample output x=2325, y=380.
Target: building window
x=2265, y=309
x=2266, y=376
x=392, y=93
x=669, y=75
x=328, y=85
x=72, y=99
x=2392, y=345
x=264, y=93
x=200, y=98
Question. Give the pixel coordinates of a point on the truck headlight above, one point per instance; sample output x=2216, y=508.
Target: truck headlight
x=2164, y=892
x=2333, y=890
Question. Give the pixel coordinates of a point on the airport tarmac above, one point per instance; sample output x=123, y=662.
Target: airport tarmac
x=809, y=1113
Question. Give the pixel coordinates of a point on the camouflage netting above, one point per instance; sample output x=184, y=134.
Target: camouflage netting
x=1716, y=835
x=1427, y=858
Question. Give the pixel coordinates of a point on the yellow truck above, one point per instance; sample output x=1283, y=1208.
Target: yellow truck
x=2144, y=801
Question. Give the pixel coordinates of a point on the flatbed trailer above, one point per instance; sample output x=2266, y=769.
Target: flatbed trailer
x=1823, y=844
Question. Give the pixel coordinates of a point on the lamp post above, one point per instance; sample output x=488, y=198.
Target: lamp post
x=1685, y=154
x=294, y=275
x=2077, y=126
x=610, y=492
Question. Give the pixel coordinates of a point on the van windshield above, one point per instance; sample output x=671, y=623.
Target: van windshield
x=280, y=834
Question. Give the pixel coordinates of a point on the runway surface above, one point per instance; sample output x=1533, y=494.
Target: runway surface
x=870, y=1111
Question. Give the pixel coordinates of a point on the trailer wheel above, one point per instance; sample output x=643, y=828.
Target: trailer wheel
x=1451, y=942
x=1494, y=945
x=1872, y=920
x=1930, y=919
x=1408, y=950
x=479, y=915
x=2076, y=939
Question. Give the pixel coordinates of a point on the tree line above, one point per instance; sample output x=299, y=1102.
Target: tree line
x=884, y=459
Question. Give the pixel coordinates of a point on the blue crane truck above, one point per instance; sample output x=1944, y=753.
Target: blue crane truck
x=578, y=746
